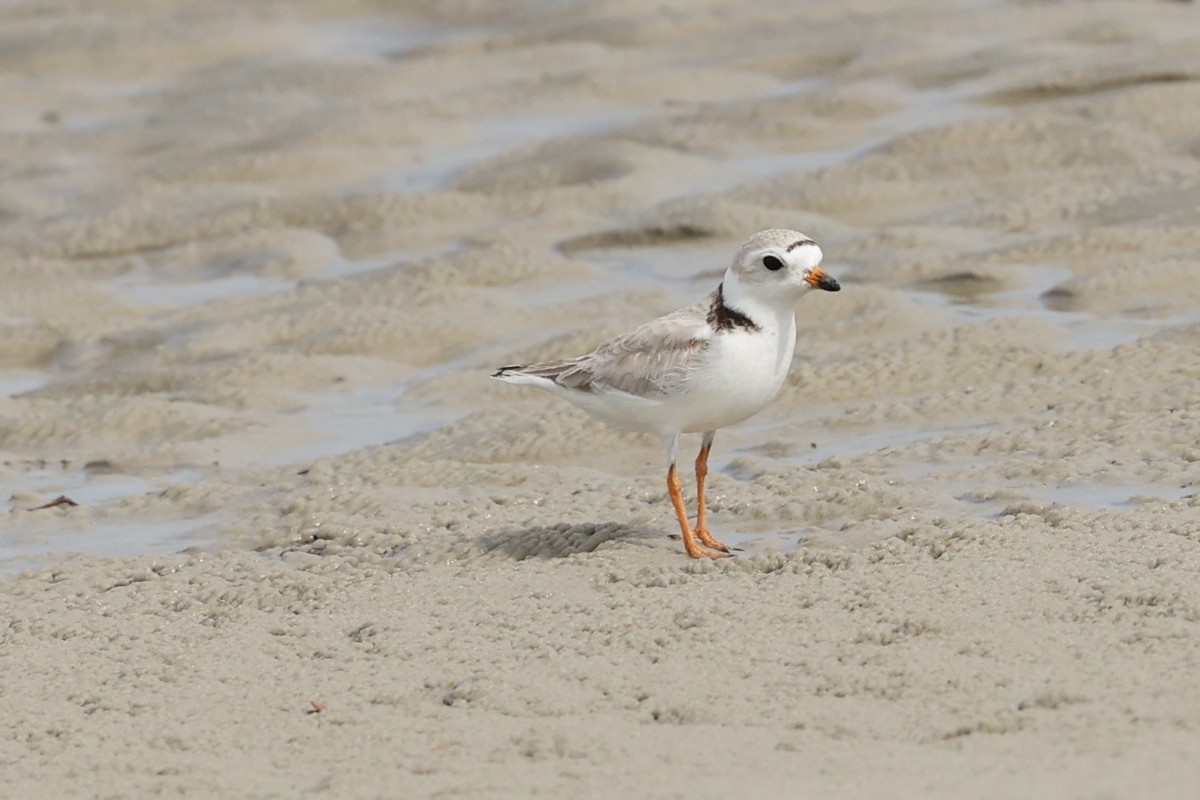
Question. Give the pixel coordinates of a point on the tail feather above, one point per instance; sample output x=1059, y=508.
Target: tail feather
x=518, y=375
x=545, y=374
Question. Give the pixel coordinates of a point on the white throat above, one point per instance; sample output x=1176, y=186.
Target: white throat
x=765, y=315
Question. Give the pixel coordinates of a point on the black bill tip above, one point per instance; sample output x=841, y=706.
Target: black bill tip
x=828, y=284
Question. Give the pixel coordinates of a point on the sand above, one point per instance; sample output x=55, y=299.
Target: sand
x=258, y=259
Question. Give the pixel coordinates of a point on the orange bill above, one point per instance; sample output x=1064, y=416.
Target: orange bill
x=819, y=280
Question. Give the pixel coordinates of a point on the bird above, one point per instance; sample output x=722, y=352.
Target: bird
x=698, y=369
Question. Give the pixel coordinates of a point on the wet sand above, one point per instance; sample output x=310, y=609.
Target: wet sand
x=258, y=261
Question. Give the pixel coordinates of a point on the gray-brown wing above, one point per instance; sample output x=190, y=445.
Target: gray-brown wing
x=650, y=361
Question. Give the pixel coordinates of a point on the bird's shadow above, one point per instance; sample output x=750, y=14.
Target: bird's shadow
x=564, y=539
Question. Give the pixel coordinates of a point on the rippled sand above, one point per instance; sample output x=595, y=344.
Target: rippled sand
x=258, y=260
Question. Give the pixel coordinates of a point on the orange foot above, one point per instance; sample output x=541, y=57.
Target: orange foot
x=696, y=551
x=699, y=551
x=708, y=540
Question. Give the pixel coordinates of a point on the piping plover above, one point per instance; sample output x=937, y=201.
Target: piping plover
x=700, y=368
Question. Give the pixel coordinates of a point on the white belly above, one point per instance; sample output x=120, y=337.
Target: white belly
x=745, y=372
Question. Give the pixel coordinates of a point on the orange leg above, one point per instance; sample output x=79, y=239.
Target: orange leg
x=689, y=541
x=702, y=531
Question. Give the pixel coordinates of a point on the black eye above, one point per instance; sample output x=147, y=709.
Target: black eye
x=772, y=263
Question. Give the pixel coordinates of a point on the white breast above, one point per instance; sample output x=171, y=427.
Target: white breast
x=743, y=373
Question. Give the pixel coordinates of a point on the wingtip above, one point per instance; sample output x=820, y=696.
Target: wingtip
x=504, y=371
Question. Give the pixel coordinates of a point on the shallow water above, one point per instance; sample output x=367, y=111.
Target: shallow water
x=47, y=537
x=123, y=538
x=17, y=381
x=1078, y=330
x=361, y=418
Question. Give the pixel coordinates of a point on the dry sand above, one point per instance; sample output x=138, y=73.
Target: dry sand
x=257, y=259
